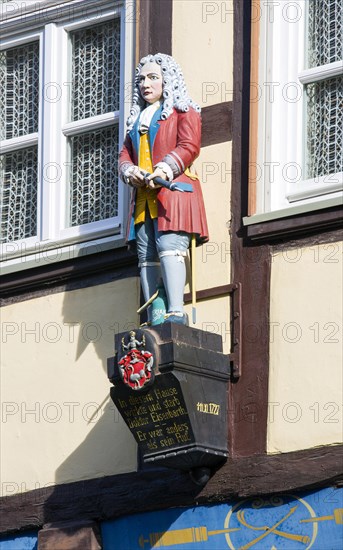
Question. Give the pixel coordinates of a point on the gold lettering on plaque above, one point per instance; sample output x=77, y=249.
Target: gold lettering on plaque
x=208, y=408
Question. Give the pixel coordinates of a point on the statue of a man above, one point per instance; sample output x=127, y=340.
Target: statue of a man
x=163, y=139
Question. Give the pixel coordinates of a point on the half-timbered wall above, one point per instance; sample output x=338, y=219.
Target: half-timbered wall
x=67, y=452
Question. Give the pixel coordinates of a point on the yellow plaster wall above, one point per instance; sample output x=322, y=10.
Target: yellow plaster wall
x=213, y=258
x=213, y=316
x=58, y=371
x=202, y=44
x=305, y=382
x=58, y=424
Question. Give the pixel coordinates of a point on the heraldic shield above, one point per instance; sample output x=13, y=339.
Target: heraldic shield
x=136, y=366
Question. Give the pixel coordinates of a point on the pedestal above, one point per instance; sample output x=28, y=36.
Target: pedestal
x=179, y=418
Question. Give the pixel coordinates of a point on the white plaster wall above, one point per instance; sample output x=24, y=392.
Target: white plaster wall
x=305, y=381
x=58, y=424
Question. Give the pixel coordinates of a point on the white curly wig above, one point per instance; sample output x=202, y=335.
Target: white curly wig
x=174, y=89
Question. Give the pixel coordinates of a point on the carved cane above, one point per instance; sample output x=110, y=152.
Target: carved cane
x=194, y=311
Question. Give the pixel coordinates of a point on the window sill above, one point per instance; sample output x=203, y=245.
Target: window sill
x=306, y=218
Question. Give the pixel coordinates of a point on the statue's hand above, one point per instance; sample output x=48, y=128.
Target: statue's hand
x=136, y=177
x=157, y=173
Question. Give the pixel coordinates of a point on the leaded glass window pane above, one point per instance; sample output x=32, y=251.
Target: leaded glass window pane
x=19, y=97
x=18, y=194
x=93, y=186
x=325, y=32
x=324, y=97
x=325, y=127
x=95, y=70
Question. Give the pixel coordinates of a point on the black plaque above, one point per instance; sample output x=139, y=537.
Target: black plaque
x=180, y=421
x=158, y=419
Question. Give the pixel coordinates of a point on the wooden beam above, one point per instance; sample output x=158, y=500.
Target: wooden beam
x=213, y=292
x=250, y=265
x=155, y=27
x=79, y=272
x=111, y=497
x=298, y=226
x=70, y=535
x=216, y=124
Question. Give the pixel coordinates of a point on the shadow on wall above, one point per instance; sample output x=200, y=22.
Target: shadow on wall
x=94, y=314
x=108, y=449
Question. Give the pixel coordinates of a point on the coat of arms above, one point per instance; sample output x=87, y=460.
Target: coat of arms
x=135, y=367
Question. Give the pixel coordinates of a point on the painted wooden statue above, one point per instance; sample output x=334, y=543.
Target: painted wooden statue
x=163, y=139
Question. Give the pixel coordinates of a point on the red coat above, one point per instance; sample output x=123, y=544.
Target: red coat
x=180, y=137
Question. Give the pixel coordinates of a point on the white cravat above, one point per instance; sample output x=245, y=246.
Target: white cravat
x=146, y=117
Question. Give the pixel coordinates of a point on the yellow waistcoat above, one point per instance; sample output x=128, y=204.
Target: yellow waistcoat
x=145, y=197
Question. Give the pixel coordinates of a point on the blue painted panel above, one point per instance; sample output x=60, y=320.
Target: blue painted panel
x=28, y=541
x=289, y=522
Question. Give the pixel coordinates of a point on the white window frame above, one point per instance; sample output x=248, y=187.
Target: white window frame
x=56, y=241
x=282, y=189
